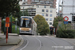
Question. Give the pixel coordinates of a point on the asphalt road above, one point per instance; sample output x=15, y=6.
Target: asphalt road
x=44, y=43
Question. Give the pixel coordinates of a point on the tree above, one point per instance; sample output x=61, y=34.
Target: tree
x=8, y=6
x=25, y=13
x=42, y=25
x=56, y=20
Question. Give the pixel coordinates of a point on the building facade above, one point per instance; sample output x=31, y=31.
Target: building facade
x=52, y=3
x=48, y=13
x=68, y=9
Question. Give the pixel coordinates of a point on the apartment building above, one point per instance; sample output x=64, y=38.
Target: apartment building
x=68, y=9
x=42, y=9
x=52, y=3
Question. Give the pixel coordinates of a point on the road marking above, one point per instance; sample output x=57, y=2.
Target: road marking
x=52, y=41
x=25, y=46
x=40, y=43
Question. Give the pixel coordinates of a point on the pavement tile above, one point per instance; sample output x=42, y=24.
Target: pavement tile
x=12, y=40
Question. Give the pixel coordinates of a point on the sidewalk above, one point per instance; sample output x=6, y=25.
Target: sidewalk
x=13, y=39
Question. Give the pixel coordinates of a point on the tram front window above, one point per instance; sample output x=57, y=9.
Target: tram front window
x=25, y=23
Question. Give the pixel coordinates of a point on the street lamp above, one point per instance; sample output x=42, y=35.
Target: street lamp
x=11, y=22
x=23, y=11
x=4, y=24
x=16, y=24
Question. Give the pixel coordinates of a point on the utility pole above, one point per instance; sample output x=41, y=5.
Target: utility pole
x=23, y=11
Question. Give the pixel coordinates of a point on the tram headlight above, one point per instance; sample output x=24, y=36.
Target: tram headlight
x=20, y=28
x=29, y=28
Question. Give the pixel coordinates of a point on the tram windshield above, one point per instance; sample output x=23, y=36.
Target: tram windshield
x=26, y=22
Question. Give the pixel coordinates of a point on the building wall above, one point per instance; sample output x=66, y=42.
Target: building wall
x=68, y=8
x=50, y=2
x=39, y=11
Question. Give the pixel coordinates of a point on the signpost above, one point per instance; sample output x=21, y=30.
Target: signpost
x=66, y=20
x=7, y=24
x=0, y=24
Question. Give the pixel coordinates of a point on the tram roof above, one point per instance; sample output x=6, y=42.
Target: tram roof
x=26, y=16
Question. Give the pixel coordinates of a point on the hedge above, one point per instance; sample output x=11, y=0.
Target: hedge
x=13, y=29
x=65, y=33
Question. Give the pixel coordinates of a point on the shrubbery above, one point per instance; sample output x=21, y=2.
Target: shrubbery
x=13, y=29
x=65, y=33
x=42, y=25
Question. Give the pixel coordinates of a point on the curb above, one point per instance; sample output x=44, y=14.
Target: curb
x=15, y=47
x=10, y=44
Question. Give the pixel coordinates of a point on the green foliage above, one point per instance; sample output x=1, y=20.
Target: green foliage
x=55, y=22
x=13, y=29
x=25, y=13
x=0, y=38
x=9, y=6
x=65, y=26
x=65, y=33
x=13, y=19
x=42, y=25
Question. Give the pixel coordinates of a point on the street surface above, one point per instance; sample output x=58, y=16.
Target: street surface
x=42, y=43
x=45, y=43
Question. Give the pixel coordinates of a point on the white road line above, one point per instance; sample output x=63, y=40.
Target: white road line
x=54, y=43
x=25, y=46
x=40, y=43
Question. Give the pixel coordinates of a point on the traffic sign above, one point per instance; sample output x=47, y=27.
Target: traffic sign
x=65, y=22
x=7, y=19
x=7, y=24
x=66, y=18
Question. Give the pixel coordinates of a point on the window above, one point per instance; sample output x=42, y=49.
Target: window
x=50, y=15
x=50, y=19
x=50, y=11
x=20, y=0
x=36, y=0
x=46, y=19
x=23, y=3
x=46, y=10
x=50, y=23
x=32, y=0
x=42, y=14
x=73, y=18
x=42, y=10
x=44, y=6
x=46, y=14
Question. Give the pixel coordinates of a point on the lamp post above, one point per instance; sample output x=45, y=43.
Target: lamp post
x=16, y=24
x=4, y=24
x=23, y=11
x=11, y=22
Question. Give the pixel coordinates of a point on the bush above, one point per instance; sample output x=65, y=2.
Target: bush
x=42, y=25
x=65, y=33
x=13, y=29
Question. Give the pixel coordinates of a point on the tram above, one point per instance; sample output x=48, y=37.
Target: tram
x=27, y=26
